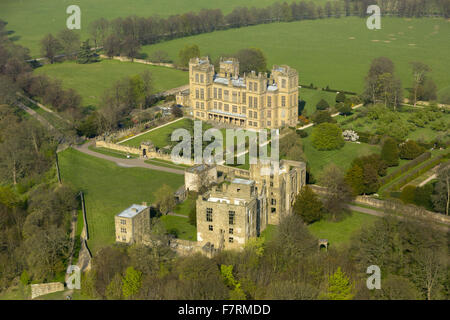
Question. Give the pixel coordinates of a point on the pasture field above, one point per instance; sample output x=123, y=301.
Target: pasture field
x=342, y=158
x=91, y=80
x=31, y=21
x=334, y=52
x=109, y=189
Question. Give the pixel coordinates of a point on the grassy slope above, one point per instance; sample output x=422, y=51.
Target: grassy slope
x=324, y=53
x=31, y=19
x=91, y=80
x=109, y=189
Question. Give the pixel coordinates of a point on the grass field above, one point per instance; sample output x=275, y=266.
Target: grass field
x=112, y=153
x=341, y=157
x=109, y=189
x=91, y=80
x=334, y=52
x=184, y=230
x=312, y=97
x=340, y=232
x=161, y=136
x=31, y=19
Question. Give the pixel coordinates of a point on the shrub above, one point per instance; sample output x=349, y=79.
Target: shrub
x=322, y=105
x=389, y=152
x=410, y=150
x=308, y=205
x=322, y=116
x=340, y=97
x=327, y=136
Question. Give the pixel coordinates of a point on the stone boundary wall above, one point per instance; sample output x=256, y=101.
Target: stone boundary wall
x=45, y=288
x=394, y=206
x=409, y=210
x=118, y=147
x=187, y=247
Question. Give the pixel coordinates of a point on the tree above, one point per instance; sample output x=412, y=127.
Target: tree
x=327, y=136
x=355, y=179
x=340, y=97
x=112, y=45
x=50, y=47
x=98, y=30
x=251, y=59
x=165, y=199
x=390, y=153
x=132, y=282
x=419, y=71
x=308, y=206
x=177, y=112
x=70, y=42
x=339, y=286
x=86, y=55
x=130, y=47
x=410, y=150
x=441, y=196
x=322, y=116
x=338, y=192
x=381, y=83
x=114, y=289
x=322, y=105
x=344, y=108
x=188, y=52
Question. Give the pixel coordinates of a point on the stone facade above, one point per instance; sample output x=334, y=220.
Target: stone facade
x=281, y=184
x=228, y=215
x=196, y=176
x=253, y=101
x=133, y=224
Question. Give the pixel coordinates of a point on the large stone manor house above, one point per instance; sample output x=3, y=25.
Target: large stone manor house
x=251, y=101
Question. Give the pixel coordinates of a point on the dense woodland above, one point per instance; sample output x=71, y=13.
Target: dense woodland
x=413, y=258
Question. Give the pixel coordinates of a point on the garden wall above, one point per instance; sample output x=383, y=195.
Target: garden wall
x=118, y=147
x=45, y=288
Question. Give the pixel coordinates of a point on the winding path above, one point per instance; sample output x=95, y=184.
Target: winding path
x=127, y=163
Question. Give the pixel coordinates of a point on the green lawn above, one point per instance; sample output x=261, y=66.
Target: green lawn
x=161, y=136
x=184, y=207
x=343, y=157
x=334, y=52
x=183, y=229
x=109, y=189
x=312, y=97
x=91, y=80
x=340, y=232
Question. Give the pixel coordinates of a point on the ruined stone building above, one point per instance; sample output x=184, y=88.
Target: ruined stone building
x=250, y=100
x=133, y=224
x=241, y=208
x=229, y=214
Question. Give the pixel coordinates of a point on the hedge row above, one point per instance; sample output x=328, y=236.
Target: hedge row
x=416, y=172
x=336, y=91
x=405, y=168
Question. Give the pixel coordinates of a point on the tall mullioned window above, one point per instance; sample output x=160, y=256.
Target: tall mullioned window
x=231, y=216
x=209, y=213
